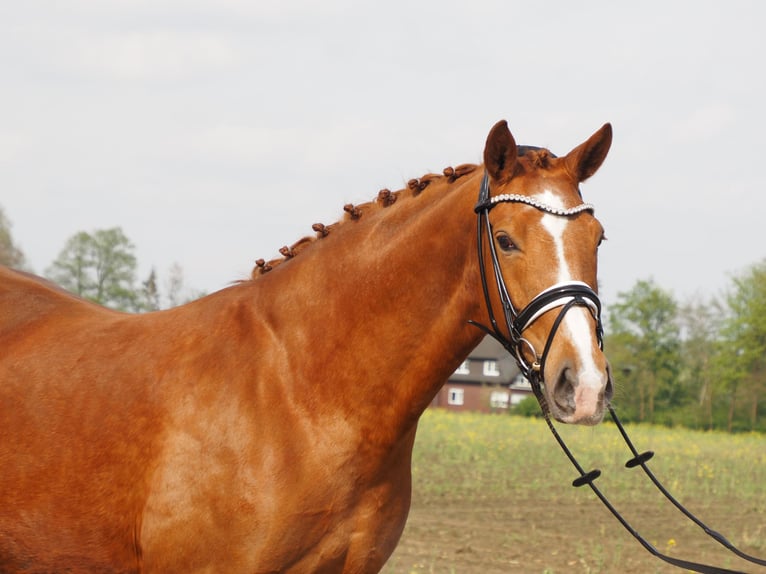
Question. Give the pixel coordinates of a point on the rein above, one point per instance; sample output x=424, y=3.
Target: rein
x=566, y=296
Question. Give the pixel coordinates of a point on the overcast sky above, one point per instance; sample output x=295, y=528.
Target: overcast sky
x=215, y=131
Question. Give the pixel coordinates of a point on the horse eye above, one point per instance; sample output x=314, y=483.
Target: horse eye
x=505, y=243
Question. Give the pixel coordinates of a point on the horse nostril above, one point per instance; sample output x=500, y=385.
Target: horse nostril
x=564, y=392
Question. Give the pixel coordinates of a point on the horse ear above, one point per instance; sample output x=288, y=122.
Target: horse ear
x=584, y=160
x=500, y=153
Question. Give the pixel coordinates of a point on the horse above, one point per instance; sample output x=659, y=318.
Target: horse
x=269, y=426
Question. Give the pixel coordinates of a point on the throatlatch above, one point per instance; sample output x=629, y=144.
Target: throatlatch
x=565, y=296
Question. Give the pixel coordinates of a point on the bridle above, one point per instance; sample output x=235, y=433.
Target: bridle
x=565, y=296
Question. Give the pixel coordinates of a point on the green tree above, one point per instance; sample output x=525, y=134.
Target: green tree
x=741, y=360
x=644, y=343
x=700, y=323
x=100, y=267
x=10, y=254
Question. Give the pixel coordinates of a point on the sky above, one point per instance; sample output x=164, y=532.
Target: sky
x=213, y=132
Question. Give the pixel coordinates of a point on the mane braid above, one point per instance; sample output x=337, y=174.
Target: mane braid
x=384, y=199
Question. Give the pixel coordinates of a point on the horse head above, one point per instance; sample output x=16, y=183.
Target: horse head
x=542, y=248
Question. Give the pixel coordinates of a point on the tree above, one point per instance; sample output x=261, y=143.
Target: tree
x=741, y=360
x=149, y=295
x=643, y=326
x=175, y=286
x=100, y=267
x=10, y=254
x=700, y=324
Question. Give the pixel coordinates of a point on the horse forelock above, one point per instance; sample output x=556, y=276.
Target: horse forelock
x=536, y=157
x=352, y=213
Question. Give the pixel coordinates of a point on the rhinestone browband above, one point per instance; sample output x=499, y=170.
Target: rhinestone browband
x=516, y=198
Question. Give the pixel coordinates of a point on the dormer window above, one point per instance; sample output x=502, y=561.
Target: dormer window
x=490, y=369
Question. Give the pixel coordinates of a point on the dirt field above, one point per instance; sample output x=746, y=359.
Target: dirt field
x=483, y=504
x=533, y=537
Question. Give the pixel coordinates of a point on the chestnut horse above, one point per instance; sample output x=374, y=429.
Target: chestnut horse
x=269, y=427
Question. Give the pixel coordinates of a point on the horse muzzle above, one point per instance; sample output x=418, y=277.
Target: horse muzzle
x=580, y=398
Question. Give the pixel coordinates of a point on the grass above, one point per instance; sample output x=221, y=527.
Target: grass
x=493, y=494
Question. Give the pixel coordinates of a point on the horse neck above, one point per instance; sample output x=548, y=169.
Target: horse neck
x=377, y=312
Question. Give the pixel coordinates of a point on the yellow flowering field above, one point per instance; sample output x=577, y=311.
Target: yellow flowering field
x=492, y=493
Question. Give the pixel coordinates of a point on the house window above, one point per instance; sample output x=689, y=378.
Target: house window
x=463, y=369
x=499, y=399
x=490, y=369
x=455, y=397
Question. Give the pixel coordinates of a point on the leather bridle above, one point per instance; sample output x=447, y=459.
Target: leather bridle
x=565, y=296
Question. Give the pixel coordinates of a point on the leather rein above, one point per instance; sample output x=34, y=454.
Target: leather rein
x=565, y=296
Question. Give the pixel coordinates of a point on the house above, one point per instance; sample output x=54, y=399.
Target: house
x=487, y=381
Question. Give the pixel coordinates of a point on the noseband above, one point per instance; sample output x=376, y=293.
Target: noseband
x=565, y=296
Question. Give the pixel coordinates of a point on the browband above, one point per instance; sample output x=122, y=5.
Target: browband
x=516, y=198
x=486, y=202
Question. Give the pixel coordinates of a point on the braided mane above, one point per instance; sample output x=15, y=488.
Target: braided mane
x=385, y=198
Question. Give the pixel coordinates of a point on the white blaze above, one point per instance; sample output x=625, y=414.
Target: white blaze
x=577, y=323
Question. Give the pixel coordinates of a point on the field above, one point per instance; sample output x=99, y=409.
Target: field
x=493, y=494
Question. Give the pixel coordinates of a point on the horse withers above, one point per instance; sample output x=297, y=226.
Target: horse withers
x=269, y=427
